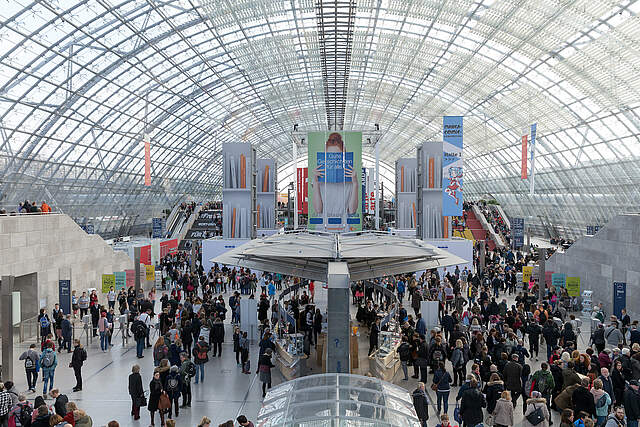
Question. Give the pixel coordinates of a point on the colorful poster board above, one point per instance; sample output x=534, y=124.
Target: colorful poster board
x=150, y=273
x=452, y=169
x=335, y=181
x=559, y=280
x=548, y=278
x=517, y=232
x=131, y=278
x=120, y=280
x=108, y=280
x=145, y=254
x=527, y=271
x=573, y=286
x=302, y=196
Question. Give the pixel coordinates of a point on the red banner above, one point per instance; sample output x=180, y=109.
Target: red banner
x=145, y=255
x=302, y=195
x=523, y=167
x=168, y=247
x=147, y=163
x=131, y=278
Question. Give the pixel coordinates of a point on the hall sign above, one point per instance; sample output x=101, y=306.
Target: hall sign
x=206, y=224
x=196, y=235
x=208, y=215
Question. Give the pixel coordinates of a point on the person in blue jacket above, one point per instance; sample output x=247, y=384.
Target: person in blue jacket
x=48, y=363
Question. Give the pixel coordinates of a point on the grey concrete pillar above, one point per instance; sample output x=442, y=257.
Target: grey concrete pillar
x=338, y=327
x=136, y=262
x=527, y=247
x=193, y=255
x=542, y=283
x=481, y=256
x=6, y=321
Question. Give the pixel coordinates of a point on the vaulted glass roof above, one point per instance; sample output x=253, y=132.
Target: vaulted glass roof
x=81, y=82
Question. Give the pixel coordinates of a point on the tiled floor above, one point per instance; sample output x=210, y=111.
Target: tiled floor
x=225, y=394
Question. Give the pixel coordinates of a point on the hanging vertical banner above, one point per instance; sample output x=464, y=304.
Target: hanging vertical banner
x=334, y=183
x=452, y=166
x=157, y=227
x=147, y=160
x=523, y=165
x=121, y=279
x=517, y=232
x=64, y=295
x=619, y=298
x=130, y=278
x=534, y=129
x=302, y=192
x=365, y=198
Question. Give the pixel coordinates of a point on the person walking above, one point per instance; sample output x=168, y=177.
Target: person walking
x=103, y=328
x=513, y=378
x=373, y=336
x=616, y=418
x=503, y=411
x=5, y=405
x=264, y=368
x=174, y=389
x=442, y=381
x=602, y=400
x=77, y=360
x=187, y=372
x=631, y=401
x=31, y=360
x=67, y=331
x=200, y=357
x=139, y=330
x=45, y=324
x=217, y=337
x=404, y=351
x=48, y=363
x=471, y=405
x=136, y=392
x=421, y=404
x=537, y=414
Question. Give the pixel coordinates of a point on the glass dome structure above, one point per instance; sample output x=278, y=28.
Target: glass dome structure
x=82, y=82
x=337, y=400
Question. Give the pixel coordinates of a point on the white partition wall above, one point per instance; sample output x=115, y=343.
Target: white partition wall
x=406, y=186
x=212, y=248
x=431, y=224
x=266, y=180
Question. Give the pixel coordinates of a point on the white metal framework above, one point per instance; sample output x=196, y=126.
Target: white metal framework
x=82, y=80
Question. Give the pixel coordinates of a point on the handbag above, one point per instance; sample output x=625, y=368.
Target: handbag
x=489, y=421
x=435, y=386
x=164, y=402
x=536, y=416
x=456, y=413
x=141, y=401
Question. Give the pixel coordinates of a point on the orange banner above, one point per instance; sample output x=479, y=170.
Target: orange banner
x=147, y=162
x=523, y=166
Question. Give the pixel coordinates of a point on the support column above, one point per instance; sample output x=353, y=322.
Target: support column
x=528, y=246
x=542, y=283
x=136, y=263
x=6, y=326
x=194, y=252
x=481, y=256
x=338, y=327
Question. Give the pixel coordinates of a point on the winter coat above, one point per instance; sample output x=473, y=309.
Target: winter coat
x=513, y=376
x=442, y=379
x=563, y=400
x=532, y=405
x=421, y=404
x=155, y=390
x=492, y=391
x=200, y=347
x=569, y=377
x=42, y=421
x=612, y=421
x=582, y=400
x=217, y=332
x=84, y=420
x=545, y=382
x=60, y=405
x=174, y=378
x=135, y=385
x=47, y=371
x=457, y=358
x=631, y=404
x=503, y=412
x=471, y=406
x=264, y=368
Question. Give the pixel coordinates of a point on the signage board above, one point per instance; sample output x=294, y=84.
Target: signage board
x=573, y=286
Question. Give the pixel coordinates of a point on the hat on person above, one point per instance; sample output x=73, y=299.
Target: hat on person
x=625, y=351
x=635, y=383
x=174, y=368
x=536, y=394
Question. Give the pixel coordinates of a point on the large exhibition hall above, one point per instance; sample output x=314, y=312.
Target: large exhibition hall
x=319, y=213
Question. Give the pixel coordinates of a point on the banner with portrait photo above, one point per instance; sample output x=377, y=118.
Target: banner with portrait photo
x=335, y=181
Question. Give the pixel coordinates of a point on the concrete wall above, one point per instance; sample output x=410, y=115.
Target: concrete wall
x=613, y=254
x=44, y=244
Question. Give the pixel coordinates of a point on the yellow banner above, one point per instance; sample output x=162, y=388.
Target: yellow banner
x=151, y=273
x=526, y=273
x=573, y=286
x=108, y=280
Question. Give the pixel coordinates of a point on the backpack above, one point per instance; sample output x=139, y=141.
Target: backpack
x=28, y=364
x=172, y=383
x=23, y=419
x=201, y=353
x=139, y=330
x=529, y=386
x=83, y=354
x=602, y=401
x=437, y=355
x=44, y=322
x=48, y=359
x=536, y=417
x=191, y=370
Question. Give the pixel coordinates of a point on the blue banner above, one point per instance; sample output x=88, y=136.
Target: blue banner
x=452, y=166
x=559, y=280
x=517, y=232
x=157, y=225
x=64, y=295
x=619, y=298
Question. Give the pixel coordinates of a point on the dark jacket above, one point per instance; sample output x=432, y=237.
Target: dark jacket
x=569, y=377
x=513, y=376
x=563, y=400
x=135, y=385
x=631, y=404
x=155, y=390
x=471, y=407
x=174, y=378
x=582, y=400
x=78, y=357
x=492, y=390
x=421, y=404
x=551, y=334
x=217, y=332
x=404, y=351
x=60, y=405
x=66, y=328
x=200, y=347
x=41, y=421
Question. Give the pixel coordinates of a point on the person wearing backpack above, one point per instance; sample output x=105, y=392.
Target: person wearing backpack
x=602, y=400
x=77, y=360
x=48, y=363
x=45, y=324
x=200, y=356
x=187, y=371
x=544, y=382
x=31, y=360
x=404, y=351
x=139, y=330
x=5, y=405
x=21, y=413
x=537, y=414
x=174, y=388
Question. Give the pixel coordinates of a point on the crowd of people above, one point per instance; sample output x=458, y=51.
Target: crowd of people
x=29, y=207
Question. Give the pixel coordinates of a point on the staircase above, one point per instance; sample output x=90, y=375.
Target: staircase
x=478, y=232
